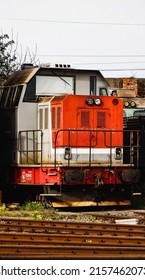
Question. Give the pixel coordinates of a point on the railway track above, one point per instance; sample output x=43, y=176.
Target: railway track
x=31, y=239
x=60, y=227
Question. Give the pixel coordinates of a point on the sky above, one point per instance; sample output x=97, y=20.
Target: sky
x=106, y=35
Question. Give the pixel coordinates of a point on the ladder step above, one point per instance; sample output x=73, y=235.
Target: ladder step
x=49, y=194
x=49, y=184
x=136, y=194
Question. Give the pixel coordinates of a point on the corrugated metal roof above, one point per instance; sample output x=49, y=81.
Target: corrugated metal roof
x=18, y=79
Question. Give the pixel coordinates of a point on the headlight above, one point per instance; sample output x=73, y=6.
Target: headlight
x=67, y=153
x=97, y=101
x=117, y=153
x=132, y=104
x=126, y=104
x=89, y=101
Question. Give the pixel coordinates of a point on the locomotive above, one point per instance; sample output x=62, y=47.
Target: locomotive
x=65, y=148
x=134, y=106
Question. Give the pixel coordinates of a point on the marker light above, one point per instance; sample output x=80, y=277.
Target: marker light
x=115, y=101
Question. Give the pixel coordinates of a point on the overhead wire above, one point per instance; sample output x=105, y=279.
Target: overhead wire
x=85, y=55
x=74, y=22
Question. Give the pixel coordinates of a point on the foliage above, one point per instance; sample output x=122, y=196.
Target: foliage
x=8, y=57
x=31, y=206
x=31, y=210
x=2, y=208
x=35, y=215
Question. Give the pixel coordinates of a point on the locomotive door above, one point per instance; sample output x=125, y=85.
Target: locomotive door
x=44, y=125
x=94, y=123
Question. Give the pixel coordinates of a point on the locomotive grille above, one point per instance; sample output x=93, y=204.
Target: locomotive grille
x=135, y=123
x=101, y=119
x=85, y=119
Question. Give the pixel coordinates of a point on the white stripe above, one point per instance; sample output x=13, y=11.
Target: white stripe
x=86, y=150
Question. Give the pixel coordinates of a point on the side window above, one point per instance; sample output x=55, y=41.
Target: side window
x=46, y=118
x=92, y=85
x=58, y=117
x=53, y=117
x=41, y=118
x=4, y=97
x=16, y=96
x=103, y=91
x=139, y=113
x=10, y=96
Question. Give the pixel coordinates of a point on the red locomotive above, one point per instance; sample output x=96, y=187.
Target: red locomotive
x=66, y=148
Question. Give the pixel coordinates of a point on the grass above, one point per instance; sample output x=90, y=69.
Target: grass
x=31, y=210
x=37, y=211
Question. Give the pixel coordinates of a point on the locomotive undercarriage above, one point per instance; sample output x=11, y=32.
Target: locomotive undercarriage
x=74, y=187
x=89, y=195
x=112, y=187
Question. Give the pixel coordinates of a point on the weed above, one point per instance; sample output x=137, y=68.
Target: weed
x=2, y=208
x=31, y=206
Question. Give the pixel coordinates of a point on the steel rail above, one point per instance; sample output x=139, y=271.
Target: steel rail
x=64, y=240
x=136, y=256
x=98, y=217
x=66, y=252
x=74, y=231
x=65, y=224
x=68, y=228
x=25, y=239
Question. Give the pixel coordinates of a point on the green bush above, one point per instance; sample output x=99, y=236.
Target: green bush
x=31, y=206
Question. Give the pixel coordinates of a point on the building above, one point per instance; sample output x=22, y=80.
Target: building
x=136, y=84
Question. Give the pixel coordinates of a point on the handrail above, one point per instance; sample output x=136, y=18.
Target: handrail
x=30, y=134
x=105, y=132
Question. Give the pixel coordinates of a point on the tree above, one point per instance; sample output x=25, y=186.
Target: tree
x=8, y=63
x=10, y=60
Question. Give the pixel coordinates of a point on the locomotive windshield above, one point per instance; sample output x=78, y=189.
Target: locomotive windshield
x=10, y=96
x=50, y=85
x=139, y=113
